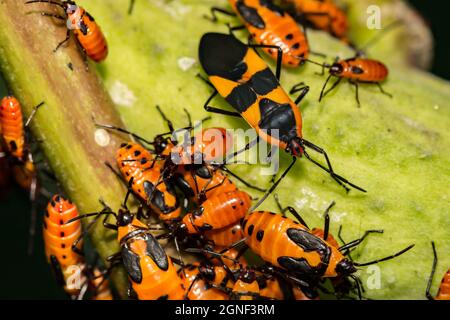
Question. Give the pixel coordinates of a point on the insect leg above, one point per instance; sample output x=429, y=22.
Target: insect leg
x=64, y=41
x=215, y=10
x=290, y=209
x=247, y=147
x=33, y=113
x=217, y=110
x=433, y=270
x=382, y=91
x=326, y=227
x=356, y=242
x=355, y=83
x=242, y=180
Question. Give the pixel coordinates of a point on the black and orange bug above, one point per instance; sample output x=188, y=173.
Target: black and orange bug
x=150, y=270
x=249, y=86
x=63, y=244
x=217, y=212
x=444, y=288
x=137, y=163
x=290, y=245
x=323, y=15
x=197, y=278
x=279, y=289
x=271, y=28
x=87, y=32
x=356, y=70
x=18, y=153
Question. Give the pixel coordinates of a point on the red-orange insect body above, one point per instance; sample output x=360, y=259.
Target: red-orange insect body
x=136, y=162
x=226, y=236
x=217, y=212
x=360, y=69
x=271, y=288
x=87, y=32
x=289, y=245
x=203, y=182
x=58, y=239
x=151, y=271
x=323, y=15
x=11, y=122
x=444, y=288
x=246, y=286
x=270, y=25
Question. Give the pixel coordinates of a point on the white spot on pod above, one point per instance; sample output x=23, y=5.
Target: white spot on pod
x=102, y=137
x=185, y=63
x=121, y=94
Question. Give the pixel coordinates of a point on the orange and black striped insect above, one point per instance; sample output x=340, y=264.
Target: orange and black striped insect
x=290, y=246
x=63, y=245
x=444, y=288
x=271, y=28
x=249, y=86
x=87, y=32
x=323, y=15
x=357, y=70
x=150, y=270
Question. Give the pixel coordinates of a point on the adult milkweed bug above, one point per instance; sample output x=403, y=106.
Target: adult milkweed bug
x=444, y=288
x=87, y=32
x=249, y=86
x=271, y=28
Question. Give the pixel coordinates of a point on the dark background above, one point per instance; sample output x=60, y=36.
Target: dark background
x=31, y=278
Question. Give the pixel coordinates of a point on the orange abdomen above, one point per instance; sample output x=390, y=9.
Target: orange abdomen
x=218, y=212
x=226, y=236
x=200, y=290
x=59, y=237
x=365, y=70
x=136, y=162
x=444, y=288
x=11, y=122
x=89, y=35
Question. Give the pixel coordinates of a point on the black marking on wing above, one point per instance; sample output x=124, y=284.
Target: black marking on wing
x=242, y=97
x=272, y=7
x=222, y=55
x=131, y=261
x=250, y=15
x=157, y=253
x=263, y=82
x=277, y=116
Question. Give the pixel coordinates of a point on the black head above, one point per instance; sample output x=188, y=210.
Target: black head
x=124, y=218
x=160, y=144
x=222, y=55
x=345, y=267
x=247, y=276
x=336, y=69
x=295, y=147
x=207, y=272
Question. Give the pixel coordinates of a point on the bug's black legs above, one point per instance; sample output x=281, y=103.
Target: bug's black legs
x=323, y=93
x=247, y=147
x=303, y=91
x=326, y=227
x=385, y=258
x=274, y=186
x=167, y=120
x=208, y=108
x=356, y=242
x=433, y=270
x=110, y=127
x=382, y=91
x=64, y=41
x=131, y=7
x=279, y=56
x=33, y=215
x=33, y=113
x=242, y=180
x=340, y=180
x=215, y=10
x=290, y=209
x=355, y=83
x=82, y=235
